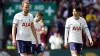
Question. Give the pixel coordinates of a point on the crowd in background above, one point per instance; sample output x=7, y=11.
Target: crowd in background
x=55, y=35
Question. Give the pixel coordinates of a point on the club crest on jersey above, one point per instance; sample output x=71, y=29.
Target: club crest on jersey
x=26, y=24
x=76, y=28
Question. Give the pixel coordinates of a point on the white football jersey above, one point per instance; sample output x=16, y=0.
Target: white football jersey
x=38, y=29
x=75, y=28
x=23, y=26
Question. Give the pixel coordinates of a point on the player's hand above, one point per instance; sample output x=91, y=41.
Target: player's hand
x=66, y=46
x=14, y=43
x=91, y=42
x=37, y=43
x=87, y=44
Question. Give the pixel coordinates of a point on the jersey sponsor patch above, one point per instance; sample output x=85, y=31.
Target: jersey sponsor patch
x=26, y=24
x=76, y=28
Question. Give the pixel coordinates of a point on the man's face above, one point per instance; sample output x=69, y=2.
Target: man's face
x=75, y=13
x=41, y=22
x=25, y=7
x=39, y=17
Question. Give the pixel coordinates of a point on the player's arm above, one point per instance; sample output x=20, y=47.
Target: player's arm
x=34, y=32
x=44, y=30
x=66, y=33
x=86, y=30
x=14, y=30
x=14, y=27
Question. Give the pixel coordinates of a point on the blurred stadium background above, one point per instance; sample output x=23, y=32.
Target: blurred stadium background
x=55, y=14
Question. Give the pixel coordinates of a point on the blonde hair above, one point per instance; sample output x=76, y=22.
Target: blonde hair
x=25, y=1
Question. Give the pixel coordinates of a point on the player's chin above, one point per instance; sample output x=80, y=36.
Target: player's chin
x=27, y=11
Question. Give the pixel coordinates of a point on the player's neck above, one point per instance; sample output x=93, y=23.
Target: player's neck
x=25, y=14
x=76, y=17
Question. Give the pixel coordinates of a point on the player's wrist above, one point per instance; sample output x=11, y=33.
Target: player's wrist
x=66, y=43
x=13, y=39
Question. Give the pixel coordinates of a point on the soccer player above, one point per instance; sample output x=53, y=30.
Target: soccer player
x=73, y=32
x=23, y=23
x=37, y=25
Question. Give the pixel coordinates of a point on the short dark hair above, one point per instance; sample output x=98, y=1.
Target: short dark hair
x=77, y=8
x=39, y=13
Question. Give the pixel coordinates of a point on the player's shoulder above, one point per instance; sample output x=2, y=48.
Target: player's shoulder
x=30, y=14
x=70, y=18
x=82, y=19
x=18, y=14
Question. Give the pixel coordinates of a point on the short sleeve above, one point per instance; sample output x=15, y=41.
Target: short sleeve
x=31, y=17
x=15, y=20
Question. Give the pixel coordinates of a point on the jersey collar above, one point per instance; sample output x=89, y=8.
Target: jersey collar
x=77, y=19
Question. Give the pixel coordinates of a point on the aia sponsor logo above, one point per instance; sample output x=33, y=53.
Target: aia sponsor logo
x=26, y=24
x=76, y=28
